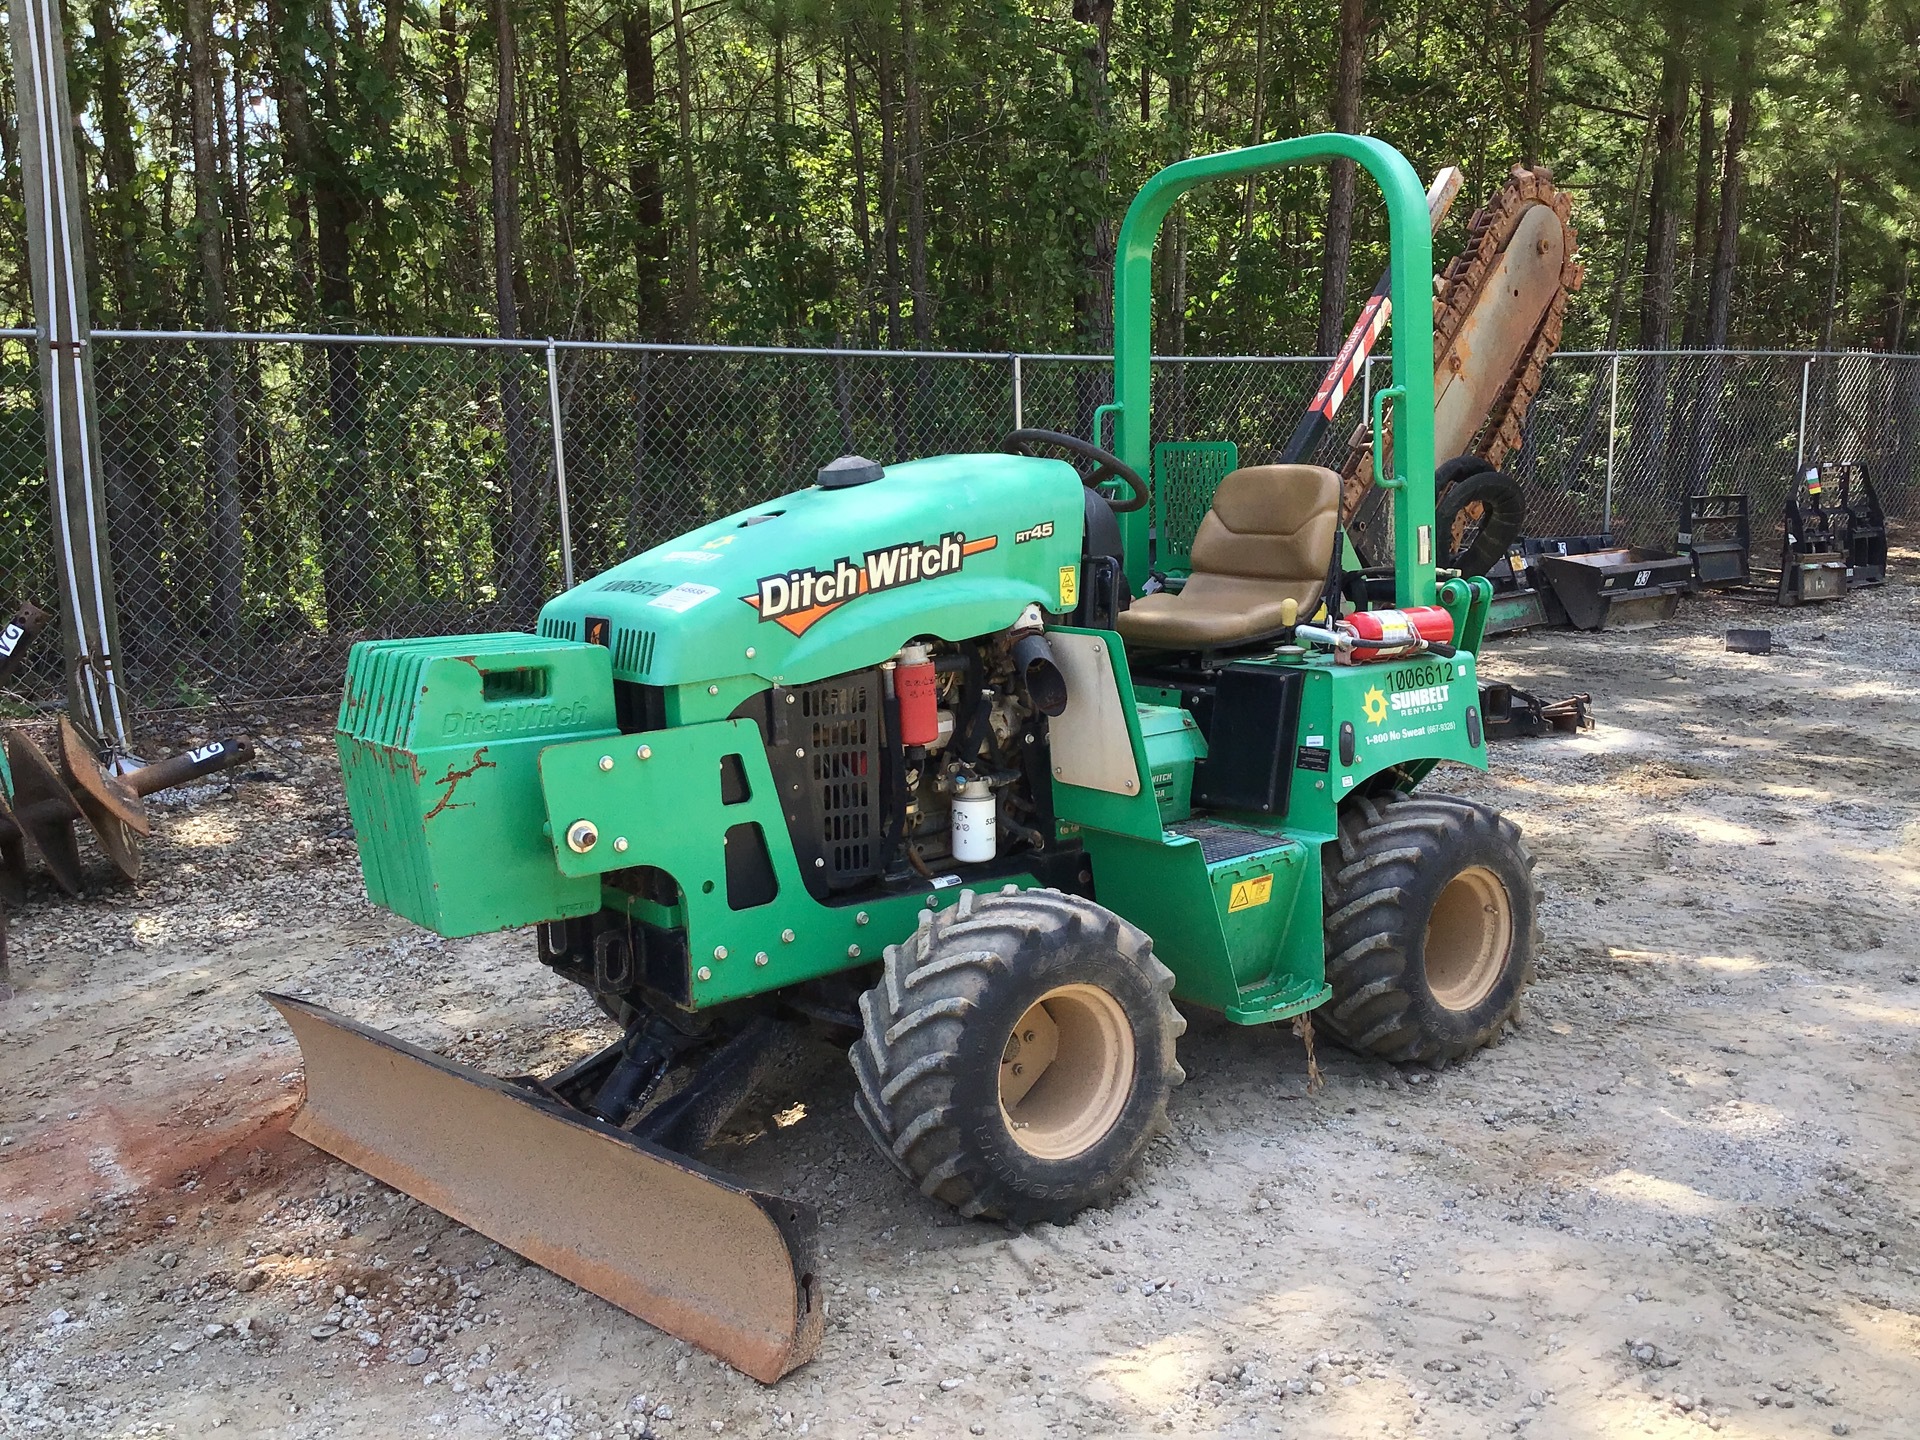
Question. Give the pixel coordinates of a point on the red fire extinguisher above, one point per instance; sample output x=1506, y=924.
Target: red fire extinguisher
x=1369, y=635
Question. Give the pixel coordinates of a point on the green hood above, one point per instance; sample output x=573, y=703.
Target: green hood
x=821, y=582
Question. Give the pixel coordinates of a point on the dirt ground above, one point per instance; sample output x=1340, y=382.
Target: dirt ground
x=1681, y=1195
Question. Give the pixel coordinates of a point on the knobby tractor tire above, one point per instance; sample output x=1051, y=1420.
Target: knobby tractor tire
x=1018, y=1053
x=1430, y=927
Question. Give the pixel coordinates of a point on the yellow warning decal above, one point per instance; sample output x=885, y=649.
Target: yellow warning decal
x=1069, y=586
x=1249, y=893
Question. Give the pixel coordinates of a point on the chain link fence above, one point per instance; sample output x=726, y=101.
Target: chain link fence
x=1616, y=442
x=271, y=499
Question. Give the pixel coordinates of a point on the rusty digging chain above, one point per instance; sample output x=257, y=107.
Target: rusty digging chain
x=1462, y=287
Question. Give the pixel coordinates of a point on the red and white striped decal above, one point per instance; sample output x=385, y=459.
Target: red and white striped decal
x=1360, y=342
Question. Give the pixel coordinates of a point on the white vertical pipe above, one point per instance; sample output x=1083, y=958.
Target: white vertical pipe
x=42, y=28
x=559, y=469
x=1613, y=427
x=1019, y=399
x=1800, y=453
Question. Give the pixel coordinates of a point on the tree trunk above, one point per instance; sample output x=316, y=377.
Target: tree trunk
x=1707, y=403
x=889, y=184
x=566, y=138
x=1893, y=330
x=862, y=211
x=1834, y=318
x=689, y=318
x=120, y=209
x=136, y=520
x=1092, y=81
x=520, y=579
x=20, y=301
x=1540, y=14
x=1700, y=251
x=1656, y=412
x=1726, y=247
x=350, y=555
x=643, y=171
x=224, y=527
x=1899, y=262
x=1617, y=306
x=246, y=265
x=1259, y=128
x=913, y=122
x=453, y=90
x=1180, y=114
x=286, y=20
x=1663, y=216
x=1349, y=67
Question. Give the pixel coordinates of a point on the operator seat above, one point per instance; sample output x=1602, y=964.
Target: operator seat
x=1267, y=538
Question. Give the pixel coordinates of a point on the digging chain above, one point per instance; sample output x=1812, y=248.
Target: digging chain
x=1457, y=292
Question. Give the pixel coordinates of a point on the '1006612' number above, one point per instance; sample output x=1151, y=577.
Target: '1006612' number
x=1419, y=677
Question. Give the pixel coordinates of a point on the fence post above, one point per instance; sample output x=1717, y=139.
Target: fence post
x=1800, y=453
x=1613, y=426
x=559, y=469
x=55, y=228
x=1366, y=388
x=1019, y=399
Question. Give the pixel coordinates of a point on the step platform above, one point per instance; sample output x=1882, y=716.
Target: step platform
x=1257, y=871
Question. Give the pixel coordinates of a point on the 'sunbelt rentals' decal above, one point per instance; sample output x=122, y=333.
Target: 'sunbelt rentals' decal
x=795, y=599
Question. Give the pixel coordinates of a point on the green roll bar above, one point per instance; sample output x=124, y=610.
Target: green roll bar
x=1411, y=240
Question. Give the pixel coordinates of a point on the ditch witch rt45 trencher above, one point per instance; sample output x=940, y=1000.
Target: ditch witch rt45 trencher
x=940, y=759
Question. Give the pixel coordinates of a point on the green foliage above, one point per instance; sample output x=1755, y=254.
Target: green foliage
x=803, y=229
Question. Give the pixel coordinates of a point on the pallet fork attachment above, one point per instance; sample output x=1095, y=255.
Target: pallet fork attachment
x=701, y=1256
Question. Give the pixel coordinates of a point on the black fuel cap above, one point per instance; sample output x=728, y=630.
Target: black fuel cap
x=849, y=470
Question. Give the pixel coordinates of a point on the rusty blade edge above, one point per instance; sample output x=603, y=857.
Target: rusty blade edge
x=764, y=1351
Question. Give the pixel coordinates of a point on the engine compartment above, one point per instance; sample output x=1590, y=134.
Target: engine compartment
x=920, y=769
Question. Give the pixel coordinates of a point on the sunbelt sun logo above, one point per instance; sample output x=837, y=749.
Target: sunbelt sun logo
x=796, y=599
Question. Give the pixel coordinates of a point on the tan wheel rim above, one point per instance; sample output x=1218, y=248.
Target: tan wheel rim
x=1469, y=936
x=1066, y=1072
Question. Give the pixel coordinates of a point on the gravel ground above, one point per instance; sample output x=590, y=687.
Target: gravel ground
x=1681, y=1194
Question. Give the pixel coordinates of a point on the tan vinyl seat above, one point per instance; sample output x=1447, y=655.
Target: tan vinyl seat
x=1267, y=539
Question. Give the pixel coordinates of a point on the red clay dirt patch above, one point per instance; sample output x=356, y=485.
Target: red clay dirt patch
x=228, y=1135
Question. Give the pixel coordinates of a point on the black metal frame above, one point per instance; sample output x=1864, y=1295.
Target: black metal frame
x=1716, y=533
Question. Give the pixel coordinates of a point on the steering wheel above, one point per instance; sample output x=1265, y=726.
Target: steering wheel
x=1106, y=465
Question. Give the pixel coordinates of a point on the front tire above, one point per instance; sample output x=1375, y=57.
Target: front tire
x=1018, y=1053
x=1430, y=929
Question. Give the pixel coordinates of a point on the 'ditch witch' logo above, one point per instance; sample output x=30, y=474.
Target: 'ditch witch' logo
x=795, y=599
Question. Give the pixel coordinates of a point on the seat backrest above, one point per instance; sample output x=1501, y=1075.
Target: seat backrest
x=1271, y=522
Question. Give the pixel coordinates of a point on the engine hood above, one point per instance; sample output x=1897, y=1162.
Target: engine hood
x=822, y=581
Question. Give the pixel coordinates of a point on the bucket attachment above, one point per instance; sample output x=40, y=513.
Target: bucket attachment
x=1618, y=587
x=703, y=1257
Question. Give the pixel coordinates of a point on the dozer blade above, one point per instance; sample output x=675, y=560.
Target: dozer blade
x=682, y=1246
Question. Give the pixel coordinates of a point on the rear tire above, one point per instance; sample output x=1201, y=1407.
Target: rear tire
x=949, y=1088
x=1431, y=927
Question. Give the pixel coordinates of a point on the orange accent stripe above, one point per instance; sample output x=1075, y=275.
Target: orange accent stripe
x=974, y=547
x=798, y=622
